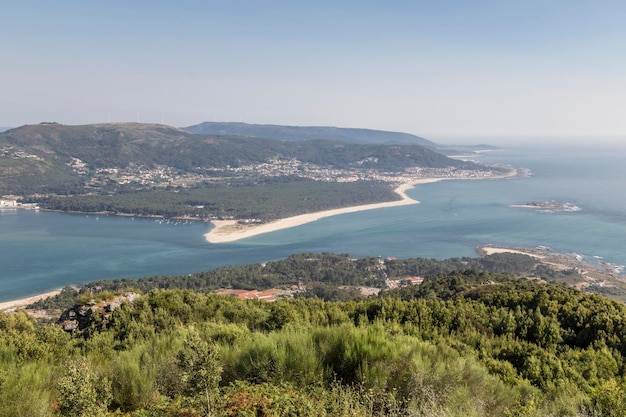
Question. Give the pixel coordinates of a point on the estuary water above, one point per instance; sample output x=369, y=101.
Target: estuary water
x=42, y=251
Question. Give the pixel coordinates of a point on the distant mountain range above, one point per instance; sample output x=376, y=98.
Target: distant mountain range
x=298, y=133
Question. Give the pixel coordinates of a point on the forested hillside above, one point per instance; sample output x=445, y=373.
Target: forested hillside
x=462, y=344
x=318, y=272
x=44, y=157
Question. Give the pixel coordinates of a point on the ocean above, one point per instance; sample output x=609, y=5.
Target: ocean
x=42, y=251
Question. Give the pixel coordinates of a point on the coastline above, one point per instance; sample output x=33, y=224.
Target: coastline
x=13, y=304
x=226, y=231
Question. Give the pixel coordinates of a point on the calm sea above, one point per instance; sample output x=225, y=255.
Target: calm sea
x=41, y=251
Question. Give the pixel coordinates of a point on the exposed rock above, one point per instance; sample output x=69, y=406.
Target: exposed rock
x=70, y=325
x=115, y=304
x=83, y=311
x=82, y=317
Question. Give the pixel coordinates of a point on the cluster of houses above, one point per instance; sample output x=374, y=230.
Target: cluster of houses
x=407, y=282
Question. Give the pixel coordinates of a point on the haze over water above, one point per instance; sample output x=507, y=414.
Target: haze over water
x=41, y=251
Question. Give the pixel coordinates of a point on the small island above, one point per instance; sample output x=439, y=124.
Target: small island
x=549, y=206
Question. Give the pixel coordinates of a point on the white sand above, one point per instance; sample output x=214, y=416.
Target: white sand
x=490, y=250
x=221, y=233
x=26, y=301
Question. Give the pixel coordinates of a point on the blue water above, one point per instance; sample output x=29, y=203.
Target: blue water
x=41, y=251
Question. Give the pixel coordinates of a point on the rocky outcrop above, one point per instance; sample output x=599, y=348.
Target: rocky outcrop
x=82, y=317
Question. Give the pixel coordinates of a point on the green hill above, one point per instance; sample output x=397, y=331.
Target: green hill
x=38, y=158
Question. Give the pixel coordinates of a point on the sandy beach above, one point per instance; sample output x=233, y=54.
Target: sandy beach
x=490, y=250
x=230, y=231
x=7, y=305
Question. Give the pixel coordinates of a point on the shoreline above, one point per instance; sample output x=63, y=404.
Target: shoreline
x=14, y=304
x=227, y=231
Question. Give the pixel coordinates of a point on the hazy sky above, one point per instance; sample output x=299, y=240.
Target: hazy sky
x=432, y=68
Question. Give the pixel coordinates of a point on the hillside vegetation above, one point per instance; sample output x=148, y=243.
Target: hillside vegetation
x=464, y=343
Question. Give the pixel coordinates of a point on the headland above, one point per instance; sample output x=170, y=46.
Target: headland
x=592, y=270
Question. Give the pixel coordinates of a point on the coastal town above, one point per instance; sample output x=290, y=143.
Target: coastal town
x=165, y=176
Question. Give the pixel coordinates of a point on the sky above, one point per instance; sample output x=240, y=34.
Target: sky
x=438, y=69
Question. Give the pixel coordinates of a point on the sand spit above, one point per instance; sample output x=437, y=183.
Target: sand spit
x=225, y=231
x=231, y=230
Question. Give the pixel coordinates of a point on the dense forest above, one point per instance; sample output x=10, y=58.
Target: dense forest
x=464, y=343
x=278, y=198
x=323, y=271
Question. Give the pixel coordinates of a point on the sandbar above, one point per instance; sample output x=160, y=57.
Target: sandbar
x=225, y=231
x=7, y=305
